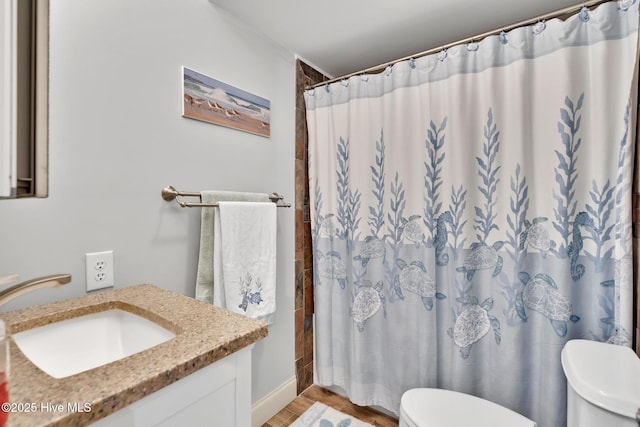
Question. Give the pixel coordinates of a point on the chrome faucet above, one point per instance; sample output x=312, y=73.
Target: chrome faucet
x=53, y=280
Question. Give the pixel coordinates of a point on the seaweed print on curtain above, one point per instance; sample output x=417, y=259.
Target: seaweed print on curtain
x=471, y=213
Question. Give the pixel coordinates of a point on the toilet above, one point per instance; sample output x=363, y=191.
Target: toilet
x=431, y=407
x=603, y=384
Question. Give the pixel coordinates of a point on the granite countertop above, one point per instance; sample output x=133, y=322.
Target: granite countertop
x=204, y=334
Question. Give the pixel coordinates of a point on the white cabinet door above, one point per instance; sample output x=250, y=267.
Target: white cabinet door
x=217, y=395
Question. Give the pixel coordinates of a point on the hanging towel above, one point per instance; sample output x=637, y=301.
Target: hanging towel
x=205, y=276
x=245, y=246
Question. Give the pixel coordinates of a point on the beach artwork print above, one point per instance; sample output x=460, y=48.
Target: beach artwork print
x=212, y=101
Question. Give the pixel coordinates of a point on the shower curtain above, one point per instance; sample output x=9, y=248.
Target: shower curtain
x=470, y=214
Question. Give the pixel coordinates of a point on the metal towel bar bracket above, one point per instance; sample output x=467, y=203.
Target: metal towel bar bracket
x=169, y=193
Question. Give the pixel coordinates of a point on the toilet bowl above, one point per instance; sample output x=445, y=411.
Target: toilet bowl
x=431, y=407
x=603, y=384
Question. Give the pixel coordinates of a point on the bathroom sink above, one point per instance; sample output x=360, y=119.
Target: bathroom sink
x=76, y=345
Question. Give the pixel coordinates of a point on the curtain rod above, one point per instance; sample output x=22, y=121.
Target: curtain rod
x=550, y=15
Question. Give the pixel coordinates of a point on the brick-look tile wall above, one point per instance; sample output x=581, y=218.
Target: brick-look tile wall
x=305, y=76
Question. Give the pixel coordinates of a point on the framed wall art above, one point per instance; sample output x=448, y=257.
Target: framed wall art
x=210, y=100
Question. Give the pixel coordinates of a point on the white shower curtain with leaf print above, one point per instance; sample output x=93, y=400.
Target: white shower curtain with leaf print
x=471, y=214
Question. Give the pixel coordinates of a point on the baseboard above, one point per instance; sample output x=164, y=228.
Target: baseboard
x=264, y=409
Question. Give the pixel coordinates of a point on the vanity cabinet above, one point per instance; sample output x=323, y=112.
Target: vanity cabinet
x=217, y=395
x=201, y=377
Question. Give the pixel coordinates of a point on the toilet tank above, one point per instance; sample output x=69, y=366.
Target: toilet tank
x=603, y=384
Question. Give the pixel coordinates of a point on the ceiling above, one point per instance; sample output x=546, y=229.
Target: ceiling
x=344, y=36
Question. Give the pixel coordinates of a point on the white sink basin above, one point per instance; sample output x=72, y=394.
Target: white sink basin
x=86, y=342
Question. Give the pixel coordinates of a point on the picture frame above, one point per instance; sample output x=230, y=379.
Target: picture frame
x=210, y=100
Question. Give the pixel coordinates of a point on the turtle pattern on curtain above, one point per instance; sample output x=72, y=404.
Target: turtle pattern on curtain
x=471, y=213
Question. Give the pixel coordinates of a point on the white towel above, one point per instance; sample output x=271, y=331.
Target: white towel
x=205, y=278
x=245, y=246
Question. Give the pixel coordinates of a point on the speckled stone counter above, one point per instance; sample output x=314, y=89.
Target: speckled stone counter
x=204, y=334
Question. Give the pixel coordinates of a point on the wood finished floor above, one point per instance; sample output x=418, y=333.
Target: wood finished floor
x=314, y=394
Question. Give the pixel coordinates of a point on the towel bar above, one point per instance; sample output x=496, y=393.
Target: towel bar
x=169, y=193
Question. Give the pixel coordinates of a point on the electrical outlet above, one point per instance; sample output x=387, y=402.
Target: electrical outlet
x=99, y=270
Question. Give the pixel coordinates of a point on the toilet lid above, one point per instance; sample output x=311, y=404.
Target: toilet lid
x=606, y=375
x=439, y=408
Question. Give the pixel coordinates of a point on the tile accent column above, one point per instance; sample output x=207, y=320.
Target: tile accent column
x=305, y=76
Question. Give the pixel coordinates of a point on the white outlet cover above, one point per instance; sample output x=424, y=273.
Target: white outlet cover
x=99, y=278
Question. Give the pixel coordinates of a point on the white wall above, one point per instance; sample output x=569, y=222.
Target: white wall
x=117, y=138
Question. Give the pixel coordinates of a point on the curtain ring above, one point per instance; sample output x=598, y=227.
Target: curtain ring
x=412, y=63
x=473, y=46
x=539, y=27
x=584, y=14
x=503, y=37
x=442, y=55
x=625, y=4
